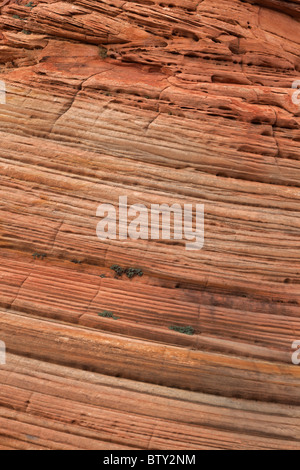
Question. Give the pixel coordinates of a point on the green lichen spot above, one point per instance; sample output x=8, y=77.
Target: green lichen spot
x=186, y=330
x=102, y=52
x=107, y=314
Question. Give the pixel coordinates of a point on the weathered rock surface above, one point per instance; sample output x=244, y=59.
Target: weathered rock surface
x=166, y=102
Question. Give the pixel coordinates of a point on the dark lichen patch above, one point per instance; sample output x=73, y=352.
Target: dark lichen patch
x=130, y=272
x=39, y=255
x=107, y=314
x=76, y=261
x=102, y=276
x=186, y=330
x=25, y=32
x=118, y=269
x=102, y=52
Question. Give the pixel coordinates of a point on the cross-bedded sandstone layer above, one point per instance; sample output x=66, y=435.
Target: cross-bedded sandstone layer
x=165, y=102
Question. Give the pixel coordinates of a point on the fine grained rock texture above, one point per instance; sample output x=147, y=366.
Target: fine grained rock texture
x=178, y=101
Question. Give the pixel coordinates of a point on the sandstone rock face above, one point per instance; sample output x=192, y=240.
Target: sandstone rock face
x=181, y=101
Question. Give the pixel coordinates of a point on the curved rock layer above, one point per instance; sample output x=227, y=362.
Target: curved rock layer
x=178, y=101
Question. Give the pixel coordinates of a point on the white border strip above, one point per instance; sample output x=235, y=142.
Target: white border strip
x=2, y=92
x=2, y=353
